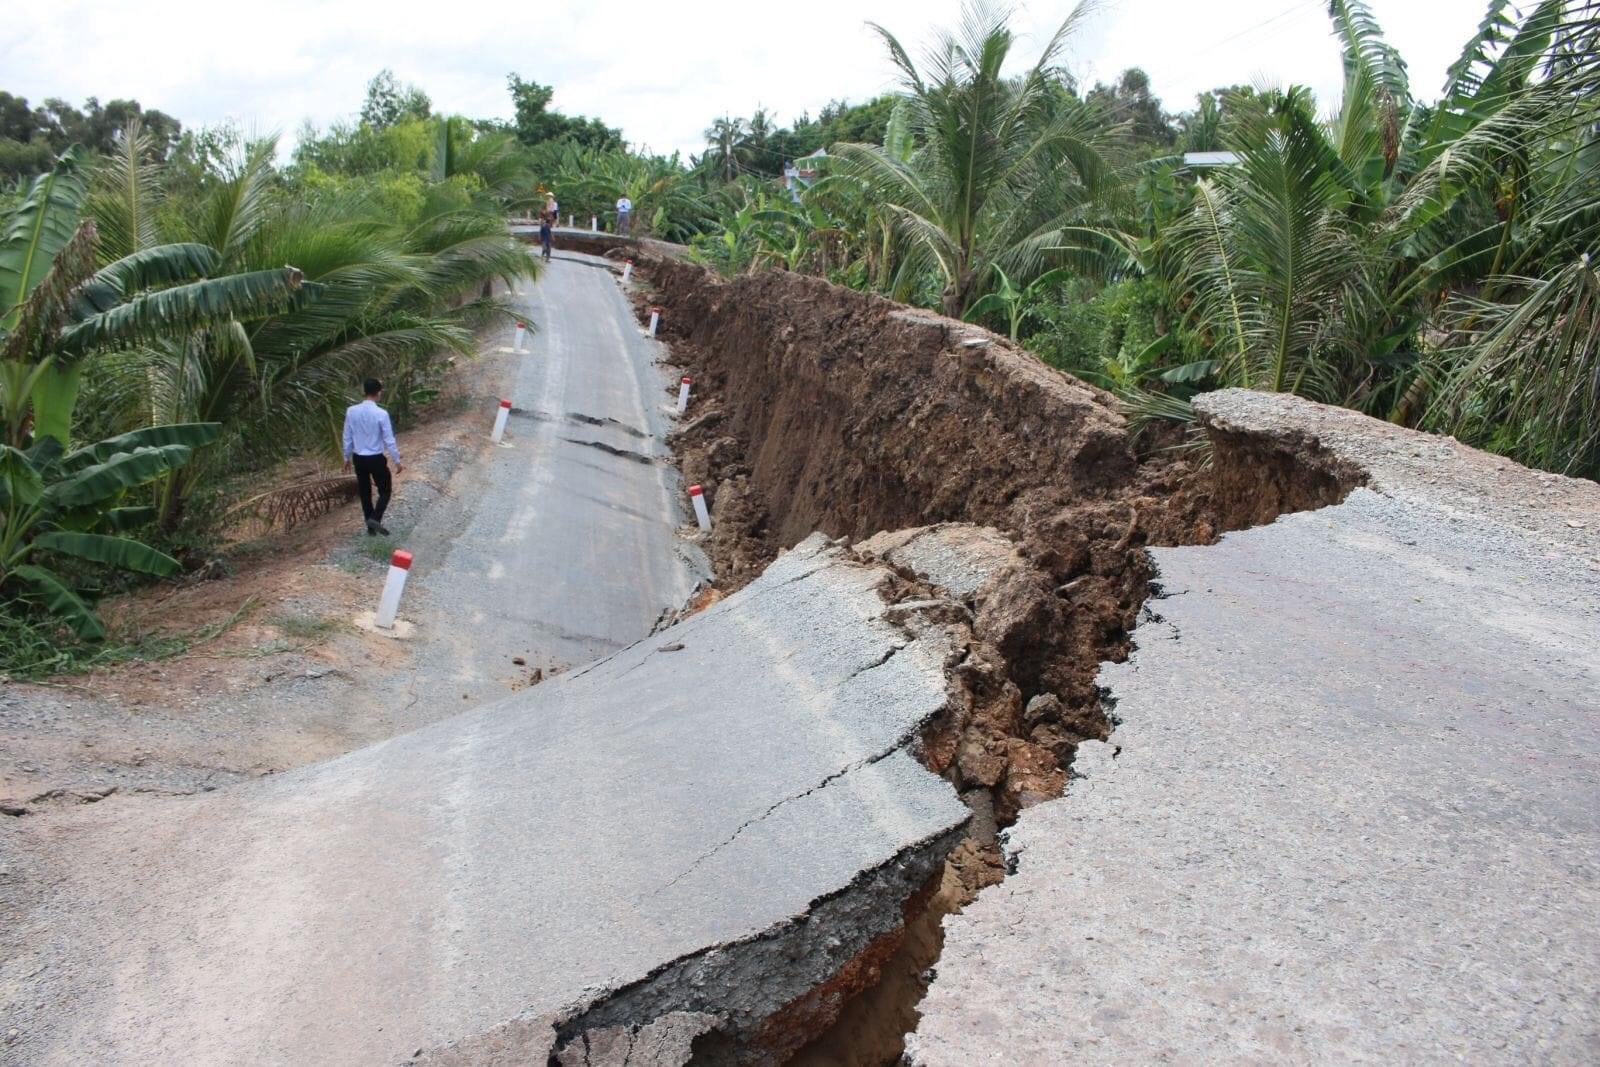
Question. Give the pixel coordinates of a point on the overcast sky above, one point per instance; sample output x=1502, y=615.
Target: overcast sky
x=660, y=71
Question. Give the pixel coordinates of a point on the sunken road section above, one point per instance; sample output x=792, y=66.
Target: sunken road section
x=820, y=408
x=713, y=824
x=1354, y=812
x=1351, y=807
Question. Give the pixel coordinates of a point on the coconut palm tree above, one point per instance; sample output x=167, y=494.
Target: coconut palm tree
x=390, y=300
x=999, y=165
x=724, y=139
x=1424, y=262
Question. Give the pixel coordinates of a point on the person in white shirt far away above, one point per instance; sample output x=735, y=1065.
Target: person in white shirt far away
x=624, y=210
x=368, y=434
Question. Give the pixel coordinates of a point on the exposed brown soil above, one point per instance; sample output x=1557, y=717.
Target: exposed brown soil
x=819, y=408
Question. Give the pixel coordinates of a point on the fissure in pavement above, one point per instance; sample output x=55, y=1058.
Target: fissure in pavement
x=819, y=408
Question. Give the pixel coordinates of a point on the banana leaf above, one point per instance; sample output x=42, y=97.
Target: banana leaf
x=189, y=434
x=39, y=227
x=185, y=307
x=123, y=519
x=116, y=551
x=123, y=471
x=20, y=484
x=55, y=394
x=60, y=601
x=161, y=265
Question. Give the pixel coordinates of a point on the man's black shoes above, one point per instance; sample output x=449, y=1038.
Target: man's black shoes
x=374, y=528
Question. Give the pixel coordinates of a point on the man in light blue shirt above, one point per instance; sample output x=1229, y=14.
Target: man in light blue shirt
x=368, y=434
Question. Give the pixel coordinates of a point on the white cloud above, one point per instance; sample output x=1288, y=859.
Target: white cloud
x=660, y=71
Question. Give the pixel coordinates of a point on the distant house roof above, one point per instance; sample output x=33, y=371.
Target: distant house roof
x=801, y=172
x=1210, y=159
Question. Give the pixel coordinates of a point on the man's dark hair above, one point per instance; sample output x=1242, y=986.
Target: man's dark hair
x=372, y=386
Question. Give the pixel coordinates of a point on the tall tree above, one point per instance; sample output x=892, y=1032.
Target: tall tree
x=725, y=141
x=1130, y=100
x=536, y=123
x=998, y=166
x=389, y=102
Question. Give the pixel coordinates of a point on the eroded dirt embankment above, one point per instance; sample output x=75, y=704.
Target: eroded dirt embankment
x=819, y=408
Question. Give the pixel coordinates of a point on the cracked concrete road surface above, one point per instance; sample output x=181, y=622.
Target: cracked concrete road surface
x=1351, y=808
x=570, y=548
x=581, y=849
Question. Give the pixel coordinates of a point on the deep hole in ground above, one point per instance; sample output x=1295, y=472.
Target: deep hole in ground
x=822, y=409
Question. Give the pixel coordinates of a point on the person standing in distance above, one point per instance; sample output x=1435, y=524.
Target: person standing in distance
x=368, y=434
x=624, y=212
x=547, y=221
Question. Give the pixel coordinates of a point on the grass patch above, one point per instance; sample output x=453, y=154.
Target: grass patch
x=34, y=647
x=306, y=627
x=379, y=548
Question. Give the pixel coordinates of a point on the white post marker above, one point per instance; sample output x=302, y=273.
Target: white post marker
x=683, y=393
x=655, y=320
x=569, y=220
x=594, y=224
x=522, y=332
x=697, y=496
x=399, y=567
x=500, y=421
x=627, y=270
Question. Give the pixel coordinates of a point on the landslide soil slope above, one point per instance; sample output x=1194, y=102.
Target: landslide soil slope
x=820, y=408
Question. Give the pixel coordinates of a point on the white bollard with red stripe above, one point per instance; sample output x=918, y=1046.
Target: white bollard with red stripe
x=389, y=603
x=683, y=393
x=655, y=320
x=500, y=421
x=627, y=270
x=522, y=332
x=697, y=497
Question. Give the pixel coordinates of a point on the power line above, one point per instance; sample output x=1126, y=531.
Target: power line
x=1265, y=22
x=1192, y=69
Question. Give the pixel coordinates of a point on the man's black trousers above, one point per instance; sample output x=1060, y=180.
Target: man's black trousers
x=370, y=471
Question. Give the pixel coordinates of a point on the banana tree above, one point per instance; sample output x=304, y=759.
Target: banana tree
x=1015, y=303
x=58, y=309
x=41, y=228
x=73, y=505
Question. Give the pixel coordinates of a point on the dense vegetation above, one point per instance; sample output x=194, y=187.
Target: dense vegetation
x=1421, y=261
x=1424, y=262
x=178, y=311
x=32, y=137
x=179, y=315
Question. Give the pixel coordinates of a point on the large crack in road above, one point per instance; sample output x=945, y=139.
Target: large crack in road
x=519, y=860
x=710, y=843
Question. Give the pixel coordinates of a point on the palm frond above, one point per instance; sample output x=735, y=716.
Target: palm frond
x=184, y=307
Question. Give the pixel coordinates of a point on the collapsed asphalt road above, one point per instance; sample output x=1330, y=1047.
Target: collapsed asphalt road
x=595, y=849
x=716, y=835
x=531, y=558
x=1350, y=810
